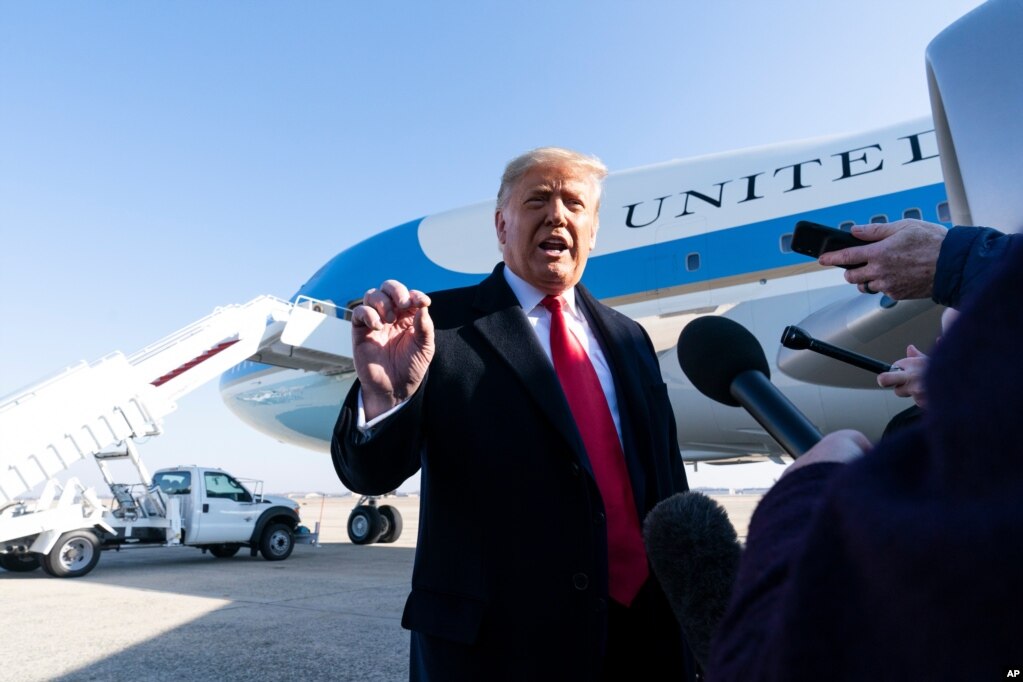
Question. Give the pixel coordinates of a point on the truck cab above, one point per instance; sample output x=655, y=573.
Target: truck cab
x=219, y=513
x=65, y=530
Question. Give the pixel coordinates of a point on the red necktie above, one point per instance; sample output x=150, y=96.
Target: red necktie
x=627, y=563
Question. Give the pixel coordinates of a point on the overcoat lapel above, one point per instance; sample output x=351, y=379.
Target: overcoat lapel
x=505, y=327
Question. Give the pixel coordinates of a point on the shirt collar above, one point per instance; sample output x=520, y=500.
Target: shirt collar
x=529, y=296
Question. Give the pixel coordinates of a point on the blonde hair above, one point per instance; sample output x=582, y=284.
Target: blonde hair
x=553, y=156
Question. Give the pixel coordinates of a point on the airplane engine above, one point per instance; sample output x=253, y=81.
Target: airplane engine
x=709, y=430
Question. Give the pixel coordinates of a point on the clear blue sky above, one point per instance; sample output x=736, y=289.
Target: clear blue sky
x=160, y=159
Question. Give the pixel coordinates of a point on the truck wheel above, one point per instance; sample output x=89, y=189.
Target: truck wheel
x=277, y=542
x=224, y=551
x=365, y=525
x=393, y=517
x=19, y=563
x=75, y=554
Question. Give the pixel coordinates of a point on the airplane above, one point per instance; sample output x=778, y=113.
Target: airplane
x=678, y=240
x=702, y=236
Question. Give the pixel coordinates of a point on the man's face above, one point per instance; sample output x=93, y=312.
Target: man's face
x=548, y=226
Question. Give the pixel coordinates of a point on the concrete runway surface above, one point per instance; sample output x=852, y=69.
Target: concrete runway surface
x=329, y=612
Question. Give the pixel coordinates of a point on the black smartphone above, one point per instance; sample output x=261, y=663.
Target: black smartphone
x=813, y=239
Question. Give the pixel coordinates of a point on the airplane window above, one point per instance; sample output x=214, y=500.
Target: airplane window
x=944, y=214
x=846, y=225
x=879, y=218
x=913, y=214
x=786, y=243
x=693, y=262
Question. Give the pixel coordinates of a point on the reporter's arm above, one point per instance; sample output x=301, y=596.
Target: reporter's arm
x=965, y=260
x=743, y=647
x=900, y=261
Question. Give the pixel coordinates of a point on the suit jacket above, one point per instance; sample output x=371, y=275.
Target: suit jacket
x=510, y=576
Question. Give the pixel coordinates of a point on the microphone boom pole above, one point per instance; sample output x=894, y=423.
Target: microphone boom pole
x=797, y=339
x=776, y=413
x=726, y=363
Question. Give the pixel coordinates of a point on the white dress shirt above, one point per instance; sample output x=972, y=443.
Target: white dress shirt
x=540, y=320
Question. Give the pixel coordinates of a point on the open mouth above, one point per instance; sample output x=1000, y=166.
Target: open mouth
x=554, y=245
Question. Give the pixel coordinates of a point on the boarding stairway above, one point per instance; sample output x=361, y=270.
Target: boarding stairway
x=89, y=408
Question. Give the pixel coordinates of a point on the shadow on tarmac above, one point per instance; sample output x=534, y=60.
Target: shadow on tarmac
x=329, y=612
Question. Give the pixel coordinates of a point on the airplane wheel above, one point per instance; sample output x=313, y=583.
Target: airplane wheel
x=277, y=542
x=393, y=518
x=19, y=563
x=365, y=525
x=75, y=554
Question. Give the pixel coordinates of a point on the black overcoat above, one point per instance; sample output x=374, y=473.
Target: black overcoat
x=511, y=560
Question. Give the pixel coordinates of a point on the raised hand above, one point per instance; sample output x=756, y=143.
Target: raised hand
x=393, y=344
x=900, y=262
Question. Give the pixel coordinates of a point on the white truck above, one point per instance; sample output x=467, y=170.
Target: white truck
x=67, y=527
x=100, y=409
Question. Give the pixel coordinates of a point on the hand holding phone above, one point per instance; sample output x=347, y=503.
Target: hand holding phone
x=813, y=239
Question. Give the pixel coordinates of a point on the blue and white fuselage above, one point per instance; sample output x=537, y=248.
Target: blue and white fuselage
x=708, y=235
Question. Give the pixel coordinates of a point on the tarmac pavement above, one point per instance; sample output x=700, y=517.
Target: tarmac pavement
x=329, y=612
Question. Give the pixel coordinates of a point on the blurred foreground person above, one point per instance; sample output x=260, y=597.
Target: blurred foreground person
x=904, y=562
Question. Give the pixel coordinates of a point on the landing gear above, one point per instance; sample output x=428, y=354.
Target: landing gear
x=392, y=517
x=364, y=525
x=368, y=523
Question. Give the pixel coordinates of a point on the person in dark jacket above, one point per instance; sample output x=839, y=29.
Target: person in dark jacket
x=904, y=562
x=916, y=259
x=529, y=563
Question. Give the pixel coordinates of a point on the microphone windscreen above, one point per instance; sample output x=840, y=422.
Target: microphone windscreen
x=713, y=350
x=694, y=552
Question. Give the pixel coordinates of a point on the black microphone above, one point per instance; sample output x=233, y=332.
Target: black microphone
x=726, y=363
x=797, y=339
x=694, y=552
